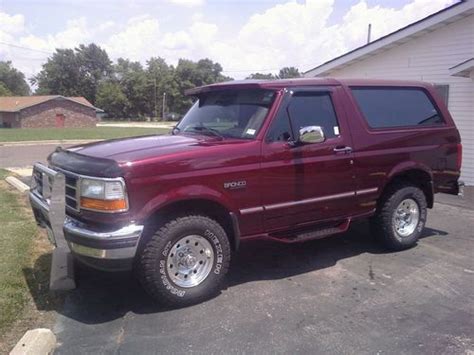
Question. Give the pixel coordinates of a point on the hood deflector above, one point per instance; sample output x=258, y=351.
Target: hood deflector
x=83, y=164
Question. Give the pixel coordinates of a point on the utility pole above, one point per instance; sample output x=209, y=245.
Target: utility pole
x=156, y=100
x=369, y=33
x=164, y=107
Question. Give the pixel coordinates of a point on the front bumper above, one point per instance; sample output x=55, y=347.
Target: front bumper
x=96, y=248
x=107, y=249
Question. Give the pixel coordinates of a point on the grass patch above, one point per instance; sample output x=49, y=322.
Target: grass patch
x=18, y=230
x=4, y=173
x=25, y=260
x=43, y=134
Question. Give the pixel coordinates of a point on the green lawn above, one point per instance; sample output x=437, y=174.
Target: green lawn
x=40, y=134
x=18, y=230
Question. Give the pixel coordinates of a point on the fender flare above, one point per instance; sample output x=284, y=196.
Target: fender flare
x=189, y=193
x=184, y=193
x=406, y=167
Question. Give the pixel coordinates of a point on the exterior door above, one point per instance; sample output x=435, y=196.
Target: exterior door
x=307, y=183
x=60, y=120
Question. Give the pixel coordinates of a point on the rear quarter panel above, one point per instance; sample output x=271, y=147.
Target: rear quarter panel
x=381, y=154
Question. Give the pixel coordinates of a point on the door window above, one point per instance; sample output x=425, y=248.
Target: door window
x=305, y=109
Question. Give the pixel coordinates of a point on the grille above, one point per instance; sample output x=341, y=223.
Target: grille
x=38, y=177
x=71, y=190
x=71, y=194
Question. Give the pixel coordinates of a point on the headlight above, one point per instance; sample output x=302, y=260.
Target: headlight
x=103, y=195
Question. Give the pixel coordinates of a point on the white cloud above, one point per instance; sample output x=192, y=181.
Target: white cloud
x=107, y=25
x=11, y=24
x=11, y=28
x=36, y=49
x=142, y=38
x=299, y=34
x=180, y=40
x=190, y=3
x=203, y=33
x=288, y=34
x=137, y=41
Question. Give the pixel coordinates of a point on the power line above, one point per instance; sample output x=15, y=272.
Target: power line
x=223, y=71
x=245, y=71
x=25, y=48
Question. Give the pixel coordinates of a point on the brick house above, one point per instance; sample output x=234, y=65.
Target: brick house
x=47, y=112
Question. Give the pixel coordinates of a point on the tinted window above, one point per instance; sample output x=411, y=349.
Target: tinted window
x=280, y=130
x=393, y=107
x=443, y=90
x=305, y=109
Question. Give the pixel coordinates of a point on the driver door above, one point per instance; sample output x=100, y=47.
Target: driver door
x=307, y=183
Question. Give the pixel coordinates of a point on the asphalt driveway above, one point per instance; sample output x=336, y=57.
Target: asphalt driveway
x=338, y=295
x=19, y=156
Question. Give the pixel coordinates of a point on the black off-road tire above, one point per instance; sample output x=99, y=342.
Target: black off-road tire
x=152, y=270
x=382, y=225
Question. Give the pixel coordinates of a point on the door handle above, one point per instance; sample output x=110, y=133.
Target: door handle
x=345, y=150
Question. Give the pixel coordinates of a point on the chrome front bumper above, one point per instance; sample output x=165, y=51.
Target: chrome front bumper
x=115, y=244
x=47, y=197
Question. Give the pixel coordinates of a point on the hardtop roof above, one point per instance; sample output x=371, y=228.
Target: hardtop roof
x=288, y=83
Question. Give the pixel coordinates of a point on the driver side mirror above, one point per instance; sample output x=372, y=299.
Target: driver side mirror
x=311, y=134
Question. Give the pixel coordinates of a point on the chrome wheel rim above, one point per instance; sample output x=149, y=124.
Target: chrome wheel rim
x=190, y=261
x=406, y=217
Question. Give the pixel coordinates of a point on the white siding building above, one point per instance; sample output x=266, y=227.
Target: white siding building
x=438, y=49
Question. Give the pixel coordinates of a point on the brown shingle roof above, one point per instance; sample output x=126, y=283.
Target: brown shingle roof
x=17, y=103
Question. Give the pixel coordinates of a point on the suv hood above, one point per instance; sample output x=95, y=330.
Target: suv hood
x=106, y=158
x=139, y=148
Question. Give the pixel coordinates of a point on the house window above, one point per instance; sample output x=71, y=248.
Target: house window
x=443, y=90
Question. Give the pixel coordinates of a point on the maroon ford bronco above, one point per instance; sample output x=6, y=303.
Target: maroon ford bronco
x=289, y=160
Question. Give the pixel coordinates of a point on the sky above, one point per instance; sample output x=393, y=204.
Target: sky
x=243, y=36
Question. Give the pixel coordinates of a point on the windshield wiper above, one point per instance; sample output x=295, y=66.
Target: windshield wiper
x=205, y=129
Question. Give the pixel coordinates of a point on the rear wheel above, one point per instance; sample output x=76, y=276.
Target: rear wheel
x=401, y=216
x=185, y=261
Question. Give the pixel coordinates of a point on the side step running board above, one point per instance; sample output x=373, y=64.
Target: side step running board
x=313, y=234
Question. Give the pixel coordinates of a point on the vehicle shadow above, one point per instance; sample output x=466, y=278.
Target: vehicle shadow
x=102, y=297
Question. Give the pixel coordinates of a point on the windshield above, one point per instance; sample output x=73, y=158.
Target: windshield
x=228, y=113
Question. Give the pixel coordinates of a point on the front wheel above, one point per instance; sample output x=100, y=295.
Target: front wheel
x=400, y=217
x=185, y=261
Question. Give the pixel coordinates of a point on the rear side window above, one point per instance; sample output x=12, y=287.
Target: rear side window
x=396, y=107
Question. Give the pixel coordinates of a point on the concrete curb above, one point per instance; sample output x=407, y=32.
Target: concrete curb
x=39, y=341
x=139, y=125
x=25, y=171
x=17, y=184
x=56, y=142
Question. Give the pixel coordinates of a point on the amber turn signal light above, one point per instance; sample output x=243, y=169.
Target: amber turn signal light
x=103, y=205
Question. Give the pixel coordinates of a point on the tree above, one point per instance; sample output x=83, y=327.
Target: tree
x=189, y=74
x=4, y=90
x=261, y=76
x=288, y=73
x=95, y=66
x=74, y=72
x=133, y=82
x=126, y=88
x=12, y=81
x=284, y=73
x=60, y=75
x=160, y=81
x=112, y=100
